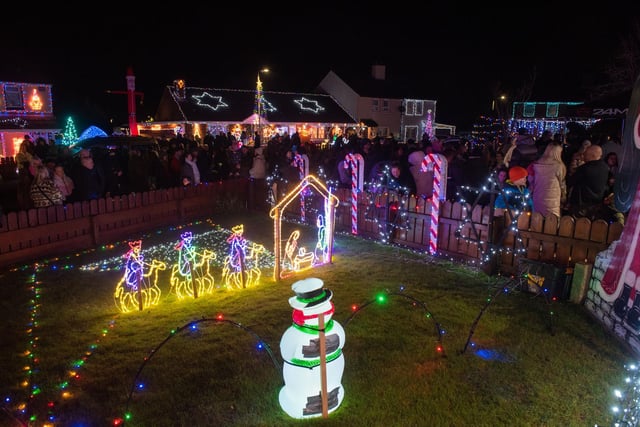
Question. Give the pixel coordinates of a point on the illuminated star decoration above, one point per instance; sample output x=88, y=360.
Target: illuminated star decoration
x=309, y=105
x=267, y=106
x=138, y=289
x=209, y=101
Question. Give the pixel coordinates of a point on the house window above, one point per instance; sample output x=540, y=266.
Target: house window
x=529, y=109
x=375, y=105
x=419, y=108
x=385, y=105
x=411, y=132
x=414, y=107
x=552, y=109
x=410, y=108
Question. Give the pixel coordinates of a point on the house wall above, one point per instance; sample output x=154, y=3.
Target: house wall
x=388, y=118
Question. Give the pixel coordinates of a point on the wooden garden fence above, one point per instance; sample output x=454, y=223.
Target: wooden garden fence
x=475, y=234
x=462, y=233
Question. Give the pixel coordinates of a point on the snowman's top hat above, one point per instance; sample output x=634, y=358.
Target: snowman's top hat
x=309, y=294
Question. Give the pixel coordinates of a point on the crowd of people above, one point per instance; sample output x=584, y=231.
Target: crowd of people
x=558, y=176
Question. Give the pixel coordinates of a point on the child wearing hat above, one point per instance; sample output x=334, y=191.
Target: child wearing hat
x=515, y=194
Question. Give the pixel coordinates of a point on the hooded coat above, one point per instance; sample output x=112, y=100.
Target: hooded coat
x=547, y=182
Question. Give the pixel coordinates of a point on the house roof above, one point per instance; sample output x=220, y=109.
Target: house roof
x=194, y=104
x=365, y=84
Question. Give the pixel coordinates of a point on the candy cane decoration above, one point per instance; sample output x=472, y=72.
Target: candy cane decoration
x=438, y=163
x=302, y=162
x=356, y=163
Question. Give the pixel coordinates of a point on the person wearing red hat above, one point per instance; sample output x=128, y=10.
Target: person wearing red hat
x=515, y=194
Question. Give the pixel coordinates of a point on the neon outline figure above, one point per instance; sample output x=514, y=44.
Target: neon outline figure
x=136, y=290
x=241, y=269
x=188, y=277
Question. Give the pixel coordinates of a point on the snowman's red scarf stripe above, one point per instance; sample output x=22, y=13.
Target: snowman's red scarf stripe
x=299, y=317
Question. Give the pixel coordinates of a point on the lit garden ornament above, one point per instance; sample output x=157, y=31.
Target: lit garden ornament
x=191, y=275
x=138, y=289
x=312, y=353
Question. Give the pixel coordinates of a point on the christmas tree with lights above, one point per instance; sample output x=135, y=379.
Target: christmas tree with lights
x=70, y=135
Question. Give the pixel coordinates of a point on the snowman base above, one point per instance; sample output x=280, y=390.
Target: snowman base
x=309, y=406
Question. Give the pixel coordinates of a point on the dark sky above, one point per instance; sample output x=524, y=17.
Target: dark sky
x=456, y=60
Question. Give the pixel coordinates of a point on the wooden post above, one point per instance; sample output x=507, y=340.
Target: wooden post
x=243, y=268
x=323, y=367
x=193, y=282
x=139, y=284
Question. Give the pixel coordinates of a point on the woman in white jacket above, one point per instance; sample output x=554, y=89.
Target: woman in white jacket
x=547, y=181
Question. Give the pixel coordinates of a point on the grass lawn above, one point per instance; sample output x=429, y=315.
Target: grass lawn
x=428, y=343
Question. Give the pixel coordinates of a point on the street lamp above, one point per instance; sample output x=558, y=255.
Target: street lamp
x=498, y=108
x=259, y=100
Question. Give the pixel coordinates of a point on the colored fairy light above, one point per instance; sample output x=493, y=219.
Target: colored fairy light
x=388, y=205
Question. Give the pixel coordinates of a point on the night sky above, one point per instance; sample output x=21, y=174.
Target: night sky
x=457, y=61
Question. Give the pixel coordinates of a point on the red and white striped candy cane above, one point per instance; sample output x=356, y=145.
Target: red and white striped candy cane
x=356, y=163
x=299, y=162
x=439, y=165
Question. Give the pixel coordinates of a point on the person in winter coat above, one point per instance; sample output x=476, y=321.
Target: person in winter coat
x=63, y=181
x=43, y=191
x=589, y=185
x=515, y=195
x=547, y=181
x=259, y=165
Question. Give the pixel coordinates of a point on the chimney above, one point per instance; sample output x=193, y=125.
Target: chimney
x=378, y=72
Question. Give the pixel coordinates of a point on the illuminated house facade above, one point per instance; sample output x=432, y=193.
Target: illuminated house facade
x=25, y=108
x=196, y=111
x=383, y=107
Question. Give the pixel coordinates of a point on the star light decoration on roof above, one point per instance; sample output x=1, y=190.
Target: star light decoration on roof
x=267, y=107
x=309, y=105
x=209, y=101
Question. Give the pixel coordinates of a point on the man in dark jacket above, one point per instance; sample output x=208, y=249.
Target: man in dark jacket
x=588, y=185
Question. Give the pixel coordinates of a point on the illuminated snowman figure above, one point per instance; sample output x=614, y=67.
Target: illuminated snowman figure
x=301, y=396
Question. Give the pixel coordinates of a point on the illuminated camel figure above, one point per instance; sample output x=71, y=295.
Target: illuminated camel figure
x=191, y=276
x=138, y=289
x=241, y=269
x=312, y=350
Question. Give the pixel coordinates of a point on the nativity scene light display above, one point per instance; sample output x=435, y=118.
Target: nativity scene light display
x=197, y=271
